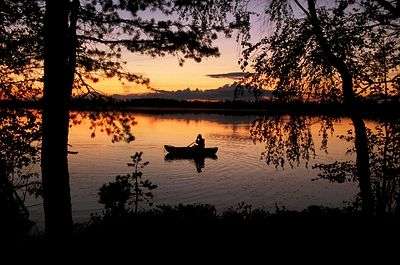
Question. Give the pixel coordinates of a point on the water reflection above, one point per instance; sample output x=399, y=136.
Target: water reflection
x=199, y=161
x=290, y=143
x=54, y=160
x=288, y=140
x=24, y=142
x=117, y=126
x=377, y=167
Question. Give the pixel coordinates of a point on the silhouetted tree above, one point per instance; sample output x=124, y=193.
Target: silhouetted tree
x=21, y=49
x=19, y=150
x=323, y=50
x=382, y=75
x=377, y=168
x=84, y=41
x=289, y=139
x=384, y=11
x=96, y=35
x=114, y=124
x=127, y=189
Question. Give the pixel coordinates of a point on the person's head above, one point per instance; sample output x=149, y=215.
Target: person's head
x=199, y=136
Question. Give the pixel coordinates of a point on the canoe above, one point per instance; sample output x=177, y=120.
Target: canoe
x=191, y=151
x=188, y=156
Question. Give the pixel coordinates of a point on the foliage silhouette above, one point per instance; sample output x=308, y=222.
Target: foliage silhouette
x=116, y=125
x=288, y=139
x=316, y=47
x=62, y=48
x=93, y=36
x=20, y=148
x=83, y=41
x=19, y=152
x=21, y=68
x=127, y=189
x=384, y=167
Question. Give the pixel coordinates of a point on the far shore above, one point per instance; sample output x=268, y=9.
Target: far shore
x=162, y=106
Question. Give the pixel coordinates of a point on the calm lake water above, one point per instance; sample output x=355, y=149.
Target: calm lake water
x=241, y=173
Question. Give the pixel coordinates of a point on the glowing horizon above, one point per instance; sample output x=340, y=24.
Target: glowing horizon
x=166, y=74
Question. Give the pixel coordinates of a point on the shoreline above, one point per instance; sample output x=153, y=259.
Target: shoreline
x=389, y=110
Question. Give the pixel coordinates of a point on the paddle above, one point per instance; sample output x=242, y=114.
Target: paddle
x=191, y=144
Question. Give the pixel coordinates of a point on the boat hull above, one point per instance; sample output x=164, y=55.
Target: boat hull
x=173, y=156
x=190, y=151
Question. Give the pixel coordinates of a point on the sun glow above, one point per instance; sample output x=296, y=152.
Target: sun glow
x=166, y=74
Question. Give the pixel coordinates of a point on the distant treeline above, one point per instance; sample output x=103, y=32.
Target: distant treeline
x=154, y=105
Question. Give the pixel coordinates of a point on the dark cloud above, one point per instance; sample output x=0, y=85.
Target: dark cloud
x=233, y=75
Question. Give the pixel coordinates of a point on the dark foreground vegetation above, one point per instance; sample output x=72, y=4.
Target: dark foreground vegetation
x=192, y=224
x=243, y=216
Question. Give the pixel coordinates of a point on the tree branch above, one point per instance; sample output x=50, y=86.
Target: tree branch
x=394, y=10
x=302, y=8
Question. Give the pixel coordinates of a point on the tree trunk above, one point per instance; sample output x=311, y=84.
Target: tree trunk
x=361, y=139
x=362, y=164
x=347, y=87
x=55, y=117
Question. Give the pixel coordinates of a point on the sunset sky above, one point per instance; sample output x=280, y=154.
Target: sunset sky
x=166, y=74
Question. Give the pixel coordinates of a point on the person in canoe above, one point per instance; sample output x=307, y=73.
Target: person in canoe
x=200, y=141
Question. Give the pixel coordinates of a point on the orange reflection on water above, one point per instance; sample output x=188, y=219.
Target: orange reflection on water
x=239, y=173
x=168, y=129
